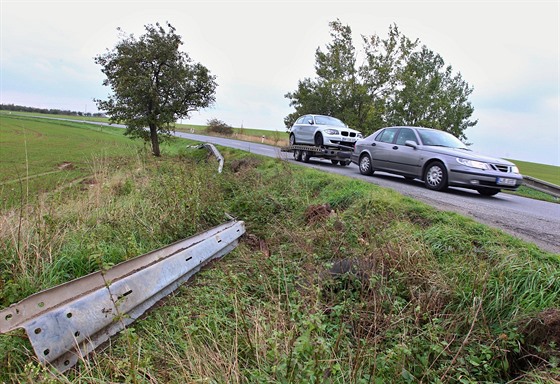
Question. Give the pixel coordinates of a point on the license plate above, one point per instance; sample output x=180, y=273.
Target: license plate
x=503, y=181
x=346, y=138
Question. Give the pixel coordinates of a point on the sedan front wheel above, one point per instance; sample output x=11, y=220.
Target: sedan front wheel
x=435, y=176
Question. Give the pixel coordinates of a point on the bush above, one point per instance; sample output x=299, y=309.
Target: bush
x=218, y=126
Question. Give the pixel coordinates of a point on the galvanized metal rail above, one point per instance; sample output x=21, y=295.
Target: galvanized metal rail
x=543, y=186
x=67, y=322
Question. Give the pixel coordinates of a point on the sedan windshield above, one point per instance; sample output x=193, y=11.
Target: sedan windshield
x=440, y=139
x=327, y=120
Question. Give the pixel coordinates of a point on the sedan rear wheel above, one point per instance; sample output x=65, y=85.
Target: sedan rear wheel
x=435, y=177
x=365, y=165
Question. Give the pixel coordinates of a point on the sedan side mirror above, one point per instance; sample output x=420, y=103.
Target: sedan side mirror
x=310, y=121
x=410, y=143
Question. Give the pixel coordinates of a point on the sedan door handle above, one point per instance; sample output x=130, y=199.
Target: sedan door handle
x=395, y=147
x=373, y=144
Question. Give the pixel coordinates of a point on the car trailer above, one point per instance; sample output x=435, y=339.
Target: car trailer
x=305, y=152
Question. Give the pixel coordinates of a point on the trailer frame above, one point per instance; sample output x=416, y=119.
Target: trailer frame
x=306, y=152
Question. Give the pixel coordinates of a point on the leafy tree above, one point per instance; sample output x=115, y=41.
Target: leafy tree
x=336, y=90
x=431, y=95
x=399, y=82
x=154, y=84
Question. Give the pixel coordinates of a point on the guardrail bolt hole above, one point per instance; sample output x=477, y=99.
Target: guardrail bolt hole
x=77, y=333
x=66, y=362
x=41, y=304
x=37, y=331
x=9, y=317
x=69, y=315
x=46, y=352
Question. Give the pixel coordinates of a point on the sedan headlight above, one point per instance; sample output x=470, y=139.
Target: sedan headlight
x=473, y=163
x=514, y=169
x=331, y=131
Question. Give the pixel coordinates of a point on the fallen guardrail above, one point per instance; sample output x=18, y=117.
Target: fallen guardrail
x=542, y=186
x=67, y=322
x=215, y=152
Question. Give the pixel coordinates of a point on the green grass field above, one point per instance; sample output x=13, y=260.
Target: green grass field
x=39, y=154
x=545, y=172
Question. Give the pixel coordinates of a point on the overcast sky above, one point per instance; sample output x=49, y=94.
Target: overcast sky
x=258, y=50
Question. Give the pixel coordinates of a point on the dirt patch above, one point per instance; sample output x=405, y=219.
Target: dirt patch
x=317, y=213
x=541, y=339
x=241, y=165
x=255, y=243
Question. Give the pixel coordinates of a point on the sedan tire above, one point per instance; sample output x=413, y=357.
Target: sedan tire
x=435, y=176
x=365, y=165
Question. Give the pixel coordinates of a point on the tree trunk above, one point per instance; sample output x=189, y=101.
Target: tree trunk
x=155, y=141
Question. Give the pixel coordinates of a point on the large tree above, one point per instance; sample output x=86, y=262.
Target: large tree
x=399, y=82
x=336, y=91
x=153, y=84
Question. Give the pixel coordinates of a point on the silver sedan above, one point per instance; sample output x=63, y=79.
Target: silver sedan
x=435, y=157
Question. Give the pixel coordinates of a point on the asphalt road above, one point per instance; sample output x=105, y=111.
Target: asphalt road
x=531, y=220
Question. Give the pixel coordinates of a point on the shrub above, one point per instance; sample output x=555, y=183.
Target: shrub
x=218, y=126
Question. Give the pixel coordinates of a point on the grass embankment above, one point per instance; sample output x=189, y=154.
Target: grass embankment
x=37, y=155
x=545, y=172
x=336, y=280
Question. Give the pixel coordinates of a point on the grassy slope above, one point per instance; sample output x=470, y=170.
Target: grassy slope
x=39, y=154
x=545, y=172
x=336, y=280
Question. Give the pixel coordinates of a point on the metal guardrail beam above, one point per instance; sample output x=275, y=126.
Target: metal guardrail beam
x=543, y=186
x=67, y=322
x=215, y=152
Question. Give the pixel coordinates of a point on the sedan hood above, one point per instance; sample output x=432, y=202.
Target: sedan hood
x=467, y=154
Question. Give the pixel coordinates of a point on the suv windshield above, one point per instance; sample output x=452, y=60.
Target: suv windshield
x=440, y=139
x=327, y=120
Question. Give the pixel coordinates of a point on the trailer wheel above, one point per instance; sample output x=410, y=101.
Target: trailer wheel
x=346, y=163
x=305, y=156
x=297, y=155
x=334, y=162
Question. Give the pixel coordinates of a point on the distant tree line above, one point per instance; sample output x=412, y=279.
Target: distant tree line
x=21, y=108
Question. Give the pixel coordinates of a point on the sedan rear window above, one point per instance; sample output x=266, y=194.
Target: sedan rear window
x=387, y=135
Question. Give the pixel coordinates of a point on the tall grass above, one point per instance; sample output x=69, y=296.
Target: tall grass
x=336, y=280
